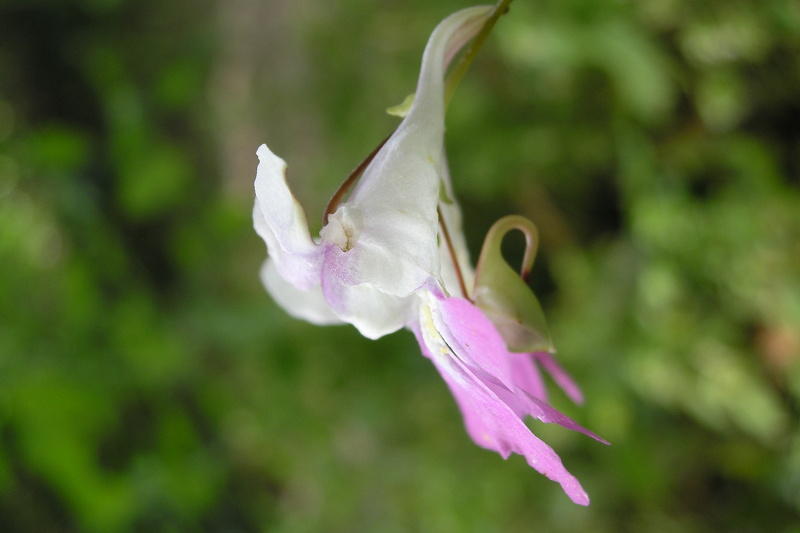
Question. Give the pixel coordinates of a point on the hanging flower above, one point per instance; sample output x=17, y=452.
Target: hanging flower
x=393, y=256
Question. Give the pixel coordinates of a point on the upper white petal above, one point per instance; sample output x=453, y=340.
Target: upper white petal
x=381, y=245
x=399, y=191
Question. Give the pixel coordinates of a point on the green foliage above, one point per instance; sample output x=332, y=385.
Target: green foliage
x=147, y=382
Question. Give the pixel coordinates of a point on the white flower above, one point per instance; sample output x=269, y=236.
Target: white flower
x=393, y=255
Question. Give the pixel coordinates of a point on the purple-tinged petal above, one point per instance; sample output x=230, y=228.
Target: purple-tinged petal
x=373, y=312
x=526, y=376
x=476, y=342
x=544, y=412
x=281, y=222
x=560, y=376
x=370, y=263
x=490, y=422
x=473, y=338
x=307, y=305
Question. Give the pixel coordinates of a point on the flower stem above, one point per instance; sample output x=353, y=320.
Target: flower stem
x=452, y=251
x=458, y=71
x=338, y=196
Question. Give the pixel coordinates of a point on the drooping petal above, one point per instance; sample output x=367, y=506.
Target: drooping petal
x=307, y=304
x=544, y=412
x=489, y=420
x=477, y=343
x=560, y=376
x=398, y=192
x=280, y=220
x=473, y=339
x=526, y=375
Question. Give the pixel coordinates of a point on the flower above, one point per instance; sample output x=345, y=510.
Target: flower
x=393, y=256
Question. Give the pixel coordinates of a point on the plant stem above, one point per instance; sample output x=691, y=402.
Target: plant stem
x=338, y=196
x=452, y=251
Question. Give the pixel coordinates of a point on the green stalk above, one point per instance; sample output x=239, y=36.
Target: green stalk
x=458, y=71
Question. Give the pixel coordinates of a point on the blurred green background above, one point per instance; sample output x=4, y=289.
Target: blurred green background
x=148, y=382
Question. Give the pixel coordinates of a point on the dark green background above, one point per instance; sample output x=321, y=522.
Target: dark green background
x=148, y=383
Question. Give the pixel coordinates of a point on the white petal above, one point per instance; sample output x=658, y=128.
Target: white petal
x=376, y=264
x=372, y=311
x=281, y=222
x=308, y=305
x=344, y=227
x=399, y=190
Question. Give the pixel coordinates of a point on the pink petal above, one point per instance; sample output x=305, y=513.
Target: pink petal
x=475, y=341
x=545, y=413
x=526, y=375
x=560, y=376
x=491, y=423
x=473, y=360
x=473, y=338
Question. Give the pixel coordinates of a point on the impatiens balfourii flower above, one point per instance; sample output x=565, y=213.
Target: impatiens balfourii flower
x=393, y=256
